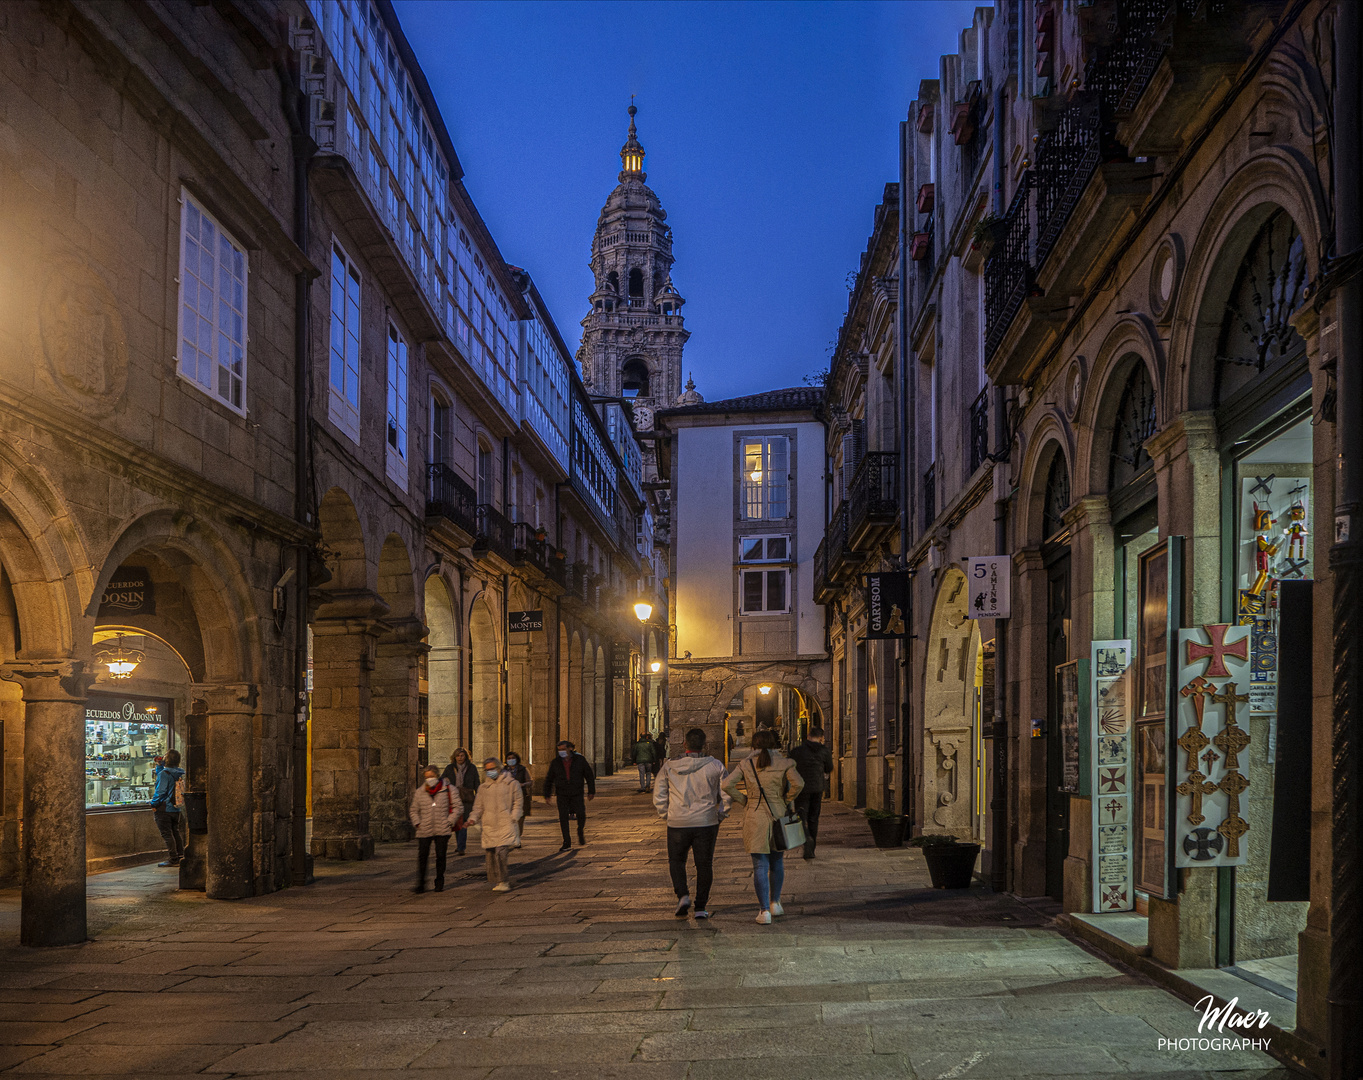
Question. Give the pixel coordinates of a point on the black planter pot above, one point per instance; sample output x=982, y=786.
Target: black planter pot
x=887, y=831
x=951, y=865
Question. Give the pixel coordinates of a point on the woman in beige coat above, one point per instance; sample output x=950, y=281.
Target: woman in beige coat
x=498, y=807
x=780, y=782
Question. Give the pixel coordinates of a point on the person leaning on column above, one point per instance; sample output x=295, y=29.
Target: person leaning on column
x=498, y=808
x=165, y=806
x=568, y=774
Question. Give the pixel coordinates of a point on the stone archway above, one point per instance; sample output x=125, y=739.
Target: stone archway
x=948, y=688
x=44, y=573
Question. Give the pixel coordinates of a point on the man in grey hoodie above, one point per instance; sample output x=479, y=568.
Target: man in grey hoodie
x=686, y=791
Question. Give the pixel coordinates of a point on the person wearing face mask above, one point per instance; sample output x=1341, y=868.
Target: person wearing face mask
x=498, y=808
x=522, y=777
x=462, y=775
x=435, y=811
x=568, y=774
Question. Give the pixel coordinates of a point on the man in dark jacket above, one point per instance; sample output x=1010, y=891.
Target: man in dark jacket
x=813, y=762
x=568, y=774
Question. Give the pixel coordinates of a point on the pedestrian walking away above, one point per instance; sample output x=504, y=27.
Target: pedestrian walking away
x=689, y=796
x=462, y=775
x=570, y=774
x=166, y=799
x=644, y=754
x=435, y=812
x=814, y=762
x=522, y=776
x=770, y=780
x=498, y=808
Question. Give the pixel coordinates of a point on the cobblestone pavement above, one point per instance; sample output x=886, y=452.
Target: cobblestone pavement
x=582, y=972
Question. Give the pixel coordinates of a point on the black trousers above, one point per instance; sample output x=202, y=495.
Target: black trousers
x=700, y=840
x=572, y=804
x=807, y=805
x=169, y=827
x=423, y=857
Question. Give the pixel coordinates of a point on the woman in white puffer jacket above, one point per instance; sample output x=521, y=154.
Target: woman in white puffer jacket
x=434, y=812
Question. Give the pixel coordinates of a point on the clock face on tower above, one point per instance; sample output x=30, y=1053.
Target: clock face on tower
x=643, y=418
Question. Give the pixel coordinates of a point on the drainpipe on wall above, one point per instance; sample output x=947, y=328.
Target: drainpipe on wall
x=998, y=802
x=1346, y=565
x=907, y=781
x=295, y=107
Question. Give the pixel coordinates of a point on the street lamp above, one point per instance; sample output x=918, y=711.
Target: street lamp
x=656, y=666
x=643, y=609
x=764, y=689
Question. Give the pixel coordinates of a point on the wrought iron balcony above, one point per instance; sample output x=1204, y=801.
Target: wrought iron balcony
x=451, y=497
x=835, y=563
x=873, y=501
x=1008, y=271
x=493, y=533
x=823, y=589
x=929, y=497
x=979, y=429
x=531, y=547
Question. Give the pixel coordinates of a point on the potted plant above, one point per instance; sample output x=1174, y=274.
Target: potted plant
x=887, y=827
x=951, y=862
x=919, y=246
x=985, y=234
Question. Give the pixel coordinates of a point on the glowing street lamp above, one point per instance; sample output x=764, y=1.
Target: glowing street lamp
x=764, y=689
x=643, y=609
x=656, y=666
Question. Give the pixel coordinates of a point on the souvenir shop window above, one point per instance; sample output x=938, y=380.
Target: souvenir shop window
x=124, y=740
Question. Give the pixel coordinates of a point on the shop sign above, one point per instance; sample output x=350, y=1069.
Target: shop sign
x=990, y=580
x=887, y=601
x=620, y=662
x=129, y=592
x=1111, y=763
x=524, y=622
x=1211, y=753
x=100, y=708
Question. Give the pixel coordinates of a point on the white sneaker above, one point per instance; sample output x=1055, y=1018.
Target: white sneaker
x=501, y=886
x=683, y=906
x=701, y=914
x=764, y=917
x=777, y=909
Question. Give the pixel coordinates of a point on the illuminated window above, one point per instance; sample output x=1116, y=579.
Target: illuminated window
x=765, y=482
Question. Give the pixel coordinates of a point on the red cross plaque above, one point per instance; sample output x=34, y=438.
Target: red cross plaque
x=1218, y=650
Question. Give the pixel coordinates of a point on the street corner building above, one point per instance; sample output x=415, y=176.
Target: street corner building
x=1099, y=359
x=298, y=476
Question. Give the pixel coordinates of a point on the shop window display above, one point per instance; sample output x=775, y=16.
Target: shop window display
x=125, y=739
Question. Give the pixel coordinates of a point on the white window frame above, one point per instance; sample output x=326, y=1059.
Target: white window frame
x=203, y=368
x=395, y=432
x=758, y=494
x=766, y=574
x=343, y=401
x=765, y=539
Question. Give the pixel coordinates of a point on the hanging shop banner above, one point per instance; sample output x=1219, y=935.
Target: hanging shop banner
x=990, y=578
x=1212, y=759
x=129, y=592
x=620, y=657
x=524, y=622
x=887, y=604
x=1112, y=762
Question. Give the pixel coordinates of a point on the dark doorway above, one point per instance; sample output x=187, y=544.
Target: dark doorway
x=766, y=707
x=1057, y=653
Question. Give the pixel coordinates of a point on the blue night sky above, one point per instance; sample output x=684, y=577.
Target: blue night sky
x=771, y=131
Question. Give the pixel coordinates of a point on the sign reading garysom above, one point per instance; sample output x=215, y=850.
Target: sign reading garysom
x=887, y=604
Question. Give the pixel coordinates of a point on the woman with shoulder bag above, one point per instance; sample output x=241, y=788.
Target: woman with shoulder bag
x=770, y=780
x=461, y=775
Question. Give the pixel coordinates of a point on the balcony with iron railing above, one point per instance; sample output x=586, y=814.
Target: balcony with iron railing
x=1008, y=270
x=493, y=533
x=979, y=429
x=835, y=563
x=531, y=547
x=873, y=499
x=451, y=497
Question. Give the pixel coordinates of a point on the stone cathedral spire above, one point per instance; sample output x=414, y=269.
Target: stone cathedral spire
x=632, y=338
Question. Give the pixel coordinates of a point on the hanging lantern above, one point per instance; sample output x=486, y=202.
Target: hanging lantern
x=120, y=660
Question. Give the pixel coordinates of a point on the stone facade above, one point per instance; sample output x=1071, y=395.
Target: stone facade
x=337, y=518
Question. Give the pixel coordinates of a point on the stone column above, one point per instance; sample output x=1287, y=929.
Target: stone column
x=1027, y=698
x=229, y=745
x=52, y=901
x=392, y=728
x=344, y=641
x=193, y=865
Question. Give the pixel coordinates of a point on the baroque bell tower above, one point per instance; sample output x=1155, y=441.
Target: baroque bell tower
x=632, y=338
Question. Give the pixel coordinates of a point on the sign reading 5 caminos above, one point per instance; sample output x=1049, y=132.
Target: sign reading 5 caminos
x=887, y=604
